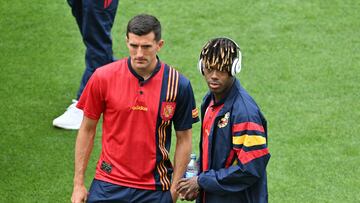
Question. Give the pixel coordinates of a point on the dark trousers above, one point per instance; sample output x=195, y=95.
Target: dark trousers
x=95, y=19
x=101, y=191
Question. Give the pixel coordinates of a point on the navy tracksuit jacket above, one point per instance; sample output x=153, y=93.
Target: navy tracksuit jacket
x=238, y=152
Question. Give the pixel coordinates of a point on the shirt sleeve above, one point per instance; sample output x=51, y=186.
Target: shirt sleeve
x=247, y=161
x=91, y=99
x=186, y=112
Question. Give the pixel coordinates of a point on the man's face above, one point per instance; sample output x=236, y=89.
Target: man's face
x=218, y=81
x=143, y=50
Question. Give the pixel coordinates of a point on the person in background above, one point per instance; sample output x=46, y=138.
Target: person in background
x=233, y=147
x=140, y=98
x=95, y=20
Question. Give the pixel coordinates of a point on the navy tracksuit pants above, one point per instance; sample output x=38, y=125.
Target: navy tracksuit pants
x=95, y=19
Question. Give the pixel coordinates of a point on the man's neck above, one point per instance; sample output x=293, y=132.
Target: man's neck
x=222, y=95
x=147, y=72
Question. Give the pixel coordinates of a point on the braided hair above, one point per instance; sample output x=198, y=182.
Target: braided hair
x=219, y=53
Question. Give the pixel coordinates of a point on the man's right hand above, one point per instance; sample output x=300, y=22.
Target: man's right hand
x=79, y=194
x=188, y=188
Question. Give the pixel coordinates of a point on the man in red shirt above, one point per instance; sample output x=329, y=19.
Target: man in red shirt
x=140, y=98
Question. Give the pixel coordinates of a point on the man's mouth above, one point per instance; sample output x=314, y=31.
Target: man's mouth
x=214, y=85
x=140, y=60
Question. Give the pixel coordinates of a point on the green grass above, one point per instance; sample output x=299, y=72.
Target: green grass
x=301, y=64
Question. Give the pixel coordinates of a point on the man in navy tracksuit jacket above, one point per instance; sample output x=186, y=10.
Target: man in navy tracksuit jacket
x=233, y=146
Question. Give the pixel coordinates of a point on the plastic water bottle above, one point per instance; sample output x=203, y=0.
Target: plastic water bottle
x=192, y=169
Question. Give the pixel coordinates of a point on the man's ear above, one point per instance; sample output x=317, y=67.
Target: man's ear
x=160, y=44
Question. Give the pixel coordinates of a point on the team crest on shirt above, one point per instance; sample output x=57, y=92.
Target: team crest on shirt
x=224, y=120
x=167, y=110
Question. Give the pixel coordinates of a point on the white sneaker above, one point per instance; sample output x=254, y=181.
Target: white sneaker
x=71, y=119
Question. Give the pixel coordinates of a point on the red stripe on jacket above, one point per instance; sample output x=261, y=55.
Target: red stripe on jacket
x=247, y=126
x=229, y=159
x=246, y=157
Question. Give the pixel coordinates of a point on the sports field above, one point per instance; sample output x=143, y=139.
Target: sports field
x=301, y=64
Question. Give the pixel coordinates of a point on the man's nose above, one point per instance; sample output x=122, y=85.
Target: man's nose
x=139, y=52
x=214, y=74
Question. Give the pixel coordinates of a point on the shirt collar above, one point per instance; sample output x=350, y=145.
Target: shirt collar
x=140, y=78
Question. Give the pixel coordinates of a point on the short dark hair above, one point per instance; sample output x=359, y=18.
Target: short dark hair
x=219, y=53
x=143, y=24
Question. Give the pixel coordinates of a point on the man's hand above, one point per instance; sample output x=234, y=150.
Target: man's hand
x=79, y=194
x=188, y=188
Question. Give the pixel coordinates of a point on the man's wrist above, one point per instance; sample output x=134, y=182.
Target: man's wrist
x=197, y=183
x=79, y=181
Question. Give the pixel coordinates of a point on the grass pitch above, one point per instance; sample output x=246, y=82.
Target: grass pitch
x=301, y=64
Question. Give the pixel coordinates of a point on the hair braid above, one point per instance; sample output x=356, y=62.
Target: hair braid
x=218, y=53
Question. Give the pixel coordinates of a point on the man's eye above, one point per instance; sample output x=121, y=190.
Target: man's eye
x=146, y=47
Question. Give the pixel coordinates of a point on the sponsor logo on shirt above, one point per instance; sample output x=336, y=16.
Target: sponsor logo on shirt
x=139, y=108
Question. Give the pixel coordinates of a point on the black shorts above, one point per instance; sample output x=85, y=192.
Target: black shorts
x=101, y=191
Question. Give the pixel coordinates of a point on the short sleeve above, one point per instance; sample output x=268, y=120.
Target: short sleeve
x=186, y=112
x=91, y=99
